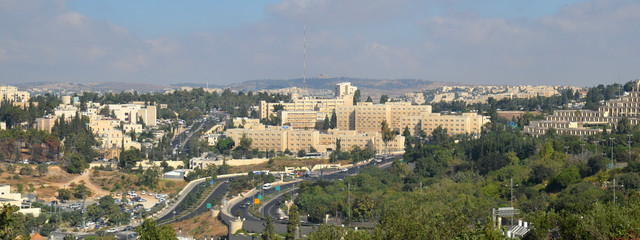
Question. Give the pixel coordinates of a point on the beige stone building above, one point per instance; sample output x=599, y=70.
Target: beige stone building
x=16, y=199
x=46, y=123
x=588, y=122
x=131, y=113
x=367, y=116
x=299, y=119
x=324, y=107
x=277, y=138
x=11, y=93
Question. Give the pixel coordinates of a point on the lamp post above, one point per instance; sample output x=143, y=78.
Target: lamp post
x=629, y=146
x=582, y=148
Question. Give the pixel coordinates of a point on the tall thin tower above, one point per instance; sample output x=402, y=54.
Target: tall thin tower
x=304, y=71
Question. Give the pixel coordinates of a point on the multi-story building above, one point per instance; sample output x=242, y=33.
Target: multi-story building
x=277, y=138
x=588, y=122
x=46, y=123
x=299, y=119
x=369, y=117
x=132, y=113
x=11, y=94
x=325, y=107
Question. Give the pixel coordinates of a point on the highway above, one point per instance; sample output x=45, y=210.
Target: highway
x=254, y=224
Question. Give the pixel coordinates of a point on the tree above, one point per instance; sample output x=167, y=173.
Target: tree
x=356, y=97
x=293, y=226
x=81, y=191
x=400, y=169
x=42, y=169
x=231, y=125
x=387, y=134
x=225, y=143
x=269, y=233
x=384, y=98
x=369, y=99
x=333, y=123
x=8, y=221
x=150, y=231
x=64, y=194
x=624, y=126
x=151, y=176
x=325, y=123
x=129, y=158
x=302, y=153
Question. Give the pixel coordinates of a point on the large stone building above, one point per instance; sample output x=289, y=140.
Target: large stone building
x=324, y=107
x=132, y=113
x=399, y=115
x=16, y=199
x=299, y=119
x=11, y=94
x=278, y=138
x=588, y=122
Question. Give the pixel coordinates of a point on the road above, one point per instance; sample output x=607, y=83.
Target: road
x=254, y=224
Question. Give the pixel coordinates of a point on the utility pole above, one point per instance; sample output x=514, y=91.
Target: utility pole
x=511, y=186
x=629, y=142
x=612, y=151
x=614, y=192
x=596, y=144
x=582, y=147
x=349, y=201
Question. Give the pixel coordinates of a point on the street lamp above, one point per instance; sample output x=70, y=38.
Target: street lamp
x=629, y=147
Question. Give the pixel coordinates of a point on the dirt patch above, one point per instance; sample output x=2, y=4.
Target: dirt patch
x=203, y=224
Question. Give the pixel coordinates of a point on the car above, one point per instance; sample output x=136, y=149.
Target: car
x=344, y=170
x=118, y=194
x=150, y=194
x=278, y=202
x=266, y=186
x=144, y=192
x=112, y=230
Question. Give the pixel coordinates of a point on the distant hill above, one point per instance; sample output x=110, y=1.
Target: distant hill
x=373, y=87
x=368, y=87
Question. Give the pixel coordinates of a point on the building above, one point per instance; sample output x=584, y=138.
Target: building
x=277, y=138
x=11, y=94
x=587, y=122
x=344, y=93
x=299, y=119
x=46, y=123
x=133, y=113
x=367, y=116
x=16, y=199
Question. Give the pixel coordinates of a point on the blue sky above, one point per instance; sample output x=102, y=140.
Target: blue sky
x=469, y=41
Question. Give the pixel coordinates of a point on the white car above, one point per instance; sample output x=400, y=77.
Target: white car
x=112, y=230
x=144, y=192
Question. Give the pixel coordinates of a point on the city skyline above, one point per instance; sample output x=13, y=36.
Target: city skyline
x=582, y=43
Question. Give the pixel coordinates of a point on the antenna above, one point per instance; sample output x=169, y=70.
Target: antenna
x=304, y=72
x=206, y=78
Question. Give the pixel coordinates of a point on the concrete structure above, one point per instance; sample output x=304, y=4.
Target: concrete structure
x=324, y=107
x=68, y=111
x=276, y=138
x=66, y=100
x=588, y=122
x=367, y=116
x=46, y=123
x=3, y=126
x=299, y=119
x=11, y=94
x=132, y=113
x=16, y=199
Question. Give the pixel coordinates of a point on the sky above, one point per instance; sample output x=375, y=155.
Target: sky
x=536, y=42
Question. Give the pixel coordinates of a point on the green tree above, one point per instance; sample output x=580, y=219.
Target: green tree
x=302, y=153
x=269, y=233
x=81, y=191
x=150, y=231
x=151, y=177
x=42, y=169
x=325, y=123
x=64, y=194
x=624, y=126
x=384, y=98
x=333, y=123
x=356, y=97
x=8, y=222
x=387, y=134
x=129, y=159
x=294, y=223
x=369, y=99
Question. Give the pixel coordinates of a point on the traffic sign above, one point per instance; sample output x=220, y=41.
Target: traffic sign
x=208, y=205
x=256, y=201
x=277, y=188
x=260, y=196
x=210, y=182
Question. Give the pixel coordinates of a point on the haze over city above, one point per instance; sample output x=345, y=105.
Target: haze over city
x=548, y=42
